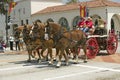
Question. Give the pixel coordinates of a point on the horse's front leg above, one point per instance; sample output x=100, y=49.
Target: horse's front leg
x=60, y=57
x=42, y=53
x=39, y=60
x=29, y=55
x=51, y=56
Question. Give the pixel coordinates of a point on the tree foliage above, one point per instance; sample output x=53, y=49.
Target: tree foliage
x=2, y=4
x=72, y=1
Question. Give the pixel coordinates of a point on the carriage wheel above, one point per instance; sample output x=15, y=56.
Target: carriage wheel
x=112, y=44
x=92, y=48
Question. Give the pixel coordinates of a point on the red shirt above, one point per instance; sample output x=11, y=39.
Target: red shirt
x=89, y=24
x=81, y=23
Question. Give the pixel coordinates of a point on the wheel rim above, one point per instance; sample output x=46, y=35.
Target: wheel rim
x=112, y=44
x=92, y=48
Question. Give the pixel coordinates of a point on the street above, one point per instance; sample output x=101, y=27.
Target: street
x=14, y=66
x=18, y=68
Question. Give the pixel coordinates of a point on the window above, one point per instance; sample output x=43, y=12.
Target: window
x=22, y=22
x=50, y=20
x=27, y=21
x=75, y=21
x=63, y=21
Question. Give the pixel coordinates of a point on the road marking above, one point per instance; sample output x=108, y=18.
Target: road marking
x=81, y=73
x=22, y=67
x=94, y=67
x=69, y=75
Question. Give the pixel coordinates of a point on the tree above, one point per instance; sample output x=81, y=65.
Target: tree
x=2, y=4
x=72, y=1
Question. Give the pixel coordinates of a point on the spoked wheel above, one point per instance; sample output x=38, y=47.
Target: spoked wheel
x=112, y=44
x=92, y=48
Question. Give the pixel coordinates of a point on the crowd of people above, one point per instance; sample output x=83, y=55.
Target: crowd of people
x=17, y=41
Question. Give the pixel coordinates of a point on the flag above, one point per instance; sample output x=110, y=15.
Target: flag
x=11, y=6
x=84, y=11
x=87, y=12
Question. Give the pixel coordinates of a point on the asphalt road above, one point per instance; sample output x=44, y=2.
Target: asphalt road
x=15, y=67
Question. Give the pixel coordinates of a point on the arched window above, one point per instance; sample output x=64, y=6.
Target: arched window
x=50, y=20
x=75, y=21
x=63, y=21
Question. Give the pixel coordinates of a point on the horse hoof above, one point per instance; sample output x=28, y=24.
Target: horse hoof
x=66, y=64
x=54, y=59
x=28, y=60
x=75, y=63
x=58, y=65
x=39, y=61
x=50, y=63
x=85, y=61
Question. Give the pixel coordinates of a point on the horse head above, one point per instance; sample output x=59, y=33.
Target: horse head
x=37, y=30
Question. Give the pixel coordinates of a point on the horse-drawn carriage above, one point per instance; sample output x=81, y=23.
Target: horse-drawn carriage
x=64, y=40
x=101, y=40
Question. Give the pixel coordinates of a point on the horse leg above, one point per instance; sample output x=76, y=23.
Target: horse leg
x=43, y=49
x=76, y=55
x=51, y=56
x=66, y=58
x=57, y=53
x=68, y=52
x=85, y=52
x=60, y=57
x=39, y=60
x=29, y=56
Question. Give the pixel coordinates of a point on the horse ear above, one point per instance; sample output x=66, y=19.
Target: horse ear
x=47, y=23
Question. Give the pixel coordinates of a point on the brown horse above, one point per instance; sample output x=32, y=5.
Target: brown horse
x=69, y=40
x=48, y=34
x=31, y=44
x=55, y=31
x=22, y=32
x=38, y=32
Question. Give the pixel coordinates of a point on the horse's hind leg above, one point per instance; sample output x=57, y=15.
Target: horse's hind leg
x=85, y=52
x=66, y=58
x=76, y=54
x=39, y=60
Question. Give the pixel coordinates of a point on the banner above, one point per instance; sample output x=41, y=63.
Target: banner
x=11, y=6
x=84, y=11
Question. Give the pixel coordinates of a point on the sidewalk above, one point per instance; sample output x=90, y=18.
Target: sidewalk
x=8, y=51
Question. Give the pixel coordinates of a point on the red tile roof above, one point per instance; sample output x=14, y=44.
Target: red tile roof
x=90, y=4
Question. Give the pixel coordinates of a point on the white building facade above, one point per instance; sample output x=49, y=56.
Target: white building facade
x=27, y=11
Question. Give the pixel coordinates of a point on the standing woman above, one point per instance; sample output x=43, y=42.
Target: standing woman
x=11, y=41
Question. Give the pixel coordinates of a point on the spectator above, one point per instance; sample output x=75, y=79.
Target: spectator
x=17, y=46
x=89, y=25
x=81, y=24
x=11, y=41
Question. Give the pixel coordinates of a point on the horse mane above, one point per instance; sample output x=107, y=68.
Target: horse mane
x=42, y=25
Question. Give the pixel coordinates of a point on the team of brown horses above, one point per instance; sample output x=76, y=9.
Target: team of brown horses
x=52, y=35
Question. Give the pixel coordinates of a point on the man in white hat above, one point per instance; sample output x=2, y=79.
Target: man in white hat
x=89, y=25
